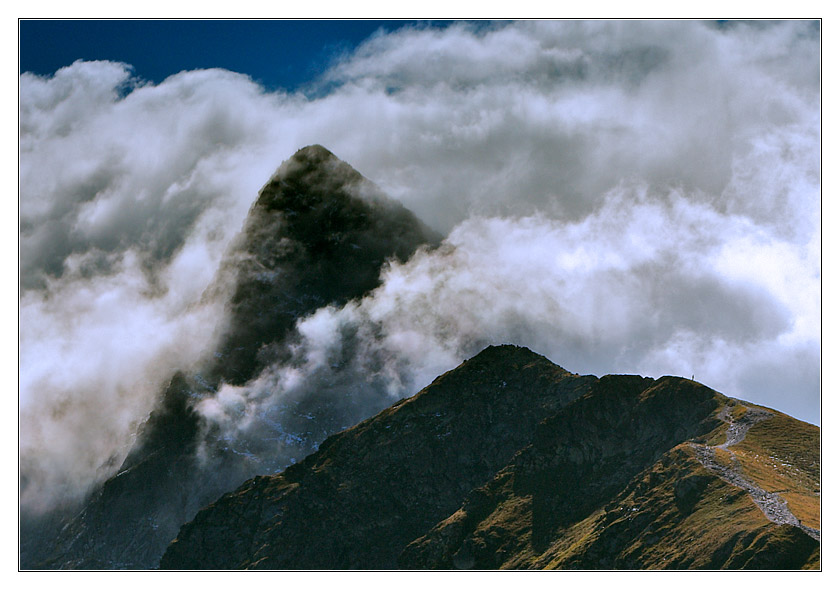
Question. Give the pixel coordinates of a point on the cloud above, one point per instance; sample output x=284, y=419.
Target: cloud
x=502, y=123
x=94, y=354
x=621, y=196
x=635, y=287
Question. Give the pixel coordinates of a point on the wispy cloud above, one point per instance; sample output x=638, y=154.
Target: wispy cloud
x=620, y=196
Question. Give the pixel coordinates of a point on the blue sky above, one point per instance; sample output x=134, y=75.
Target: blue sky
x=276, y=53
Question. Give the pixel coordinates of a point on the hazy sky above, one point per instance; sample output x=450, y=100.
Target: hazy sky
x=621, y=197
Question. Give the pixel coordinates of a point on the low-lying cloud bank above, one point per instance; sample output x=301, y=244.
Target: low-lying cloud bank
x=621, y=197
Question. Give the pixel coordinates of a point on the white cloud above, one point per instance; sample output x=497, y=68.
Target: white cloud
x=620, y=291
x=620, y=196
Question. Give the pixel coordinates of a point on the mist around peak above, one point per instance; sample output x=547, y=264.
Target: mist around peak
x=317, y=235
x=639, y=197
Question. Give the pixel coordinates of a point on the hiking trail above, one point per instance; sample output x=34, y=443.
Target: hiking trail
x=773, y=506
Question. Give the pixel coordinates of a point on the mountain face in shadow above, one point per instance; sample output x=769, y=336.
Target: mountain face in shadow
x=318, y=234
x=424, y=455
x=509, y=461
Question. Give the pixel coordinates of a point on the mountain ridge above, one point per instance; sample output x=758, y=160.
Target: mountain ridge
x=568, y=497
x=427, y=474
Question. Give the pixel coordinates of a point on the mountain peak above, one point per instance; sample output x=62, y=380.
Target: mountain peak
x=508, y=353
x=314, y=153
x=317, y=235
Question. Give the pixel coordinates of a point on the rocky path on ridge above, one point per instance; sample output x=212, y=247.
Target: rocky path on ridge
x=773, y=506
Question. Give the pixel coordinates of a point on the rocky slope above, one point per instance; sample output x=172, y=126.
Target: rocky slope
x=318, y=234
x=424, y=454
x=617, y=488
x=509, y=461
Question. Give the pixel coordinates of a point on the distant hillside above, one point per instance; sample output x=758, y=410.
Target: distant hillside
x=509, y=461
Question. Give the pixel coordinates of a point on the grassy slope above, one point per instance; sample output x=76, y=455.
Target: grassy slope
x=782, y=455
x=662, y=522
x=672, y=515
